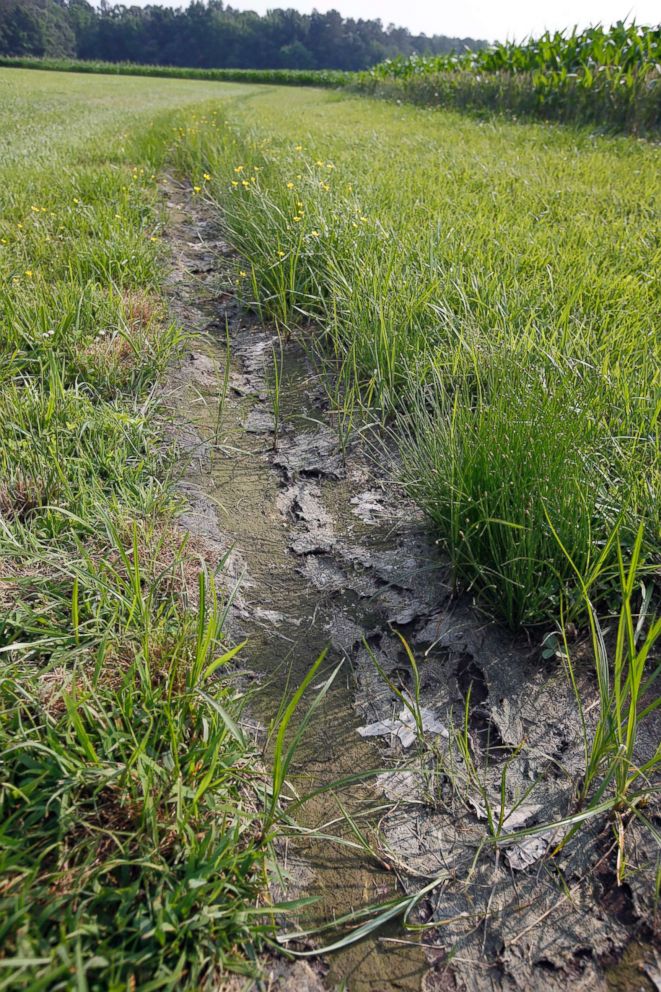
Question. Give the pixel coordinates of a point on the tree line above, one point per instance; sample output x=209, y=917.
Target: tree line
x=207, y=35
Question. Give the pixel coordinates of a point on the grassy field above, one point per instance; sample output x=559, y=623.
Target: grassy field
x=133, y=836
x=488, y=292
x=605, y=77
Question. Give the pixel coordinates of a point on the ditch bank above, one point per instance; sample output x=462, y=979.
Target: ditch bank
x=324, y=551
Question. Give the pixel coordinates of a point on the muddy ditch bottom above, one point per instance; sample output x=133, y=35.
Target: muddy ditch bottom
x=326, y=553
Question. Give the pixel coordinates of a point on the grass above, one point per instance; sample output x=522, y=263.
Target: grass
x=135, y=843
x=281, y=77
x=485, y=290
x=488, y=289
x=603, y=77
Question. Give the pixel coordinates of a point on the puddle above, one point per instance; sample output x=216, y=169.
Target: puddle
x=325, y=553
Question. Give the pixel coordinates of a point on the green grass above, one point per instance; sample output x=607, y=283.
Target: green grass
x=604, y=77
x=281, y=77
x=489, y=289
x=134, y=844
x=486, y=290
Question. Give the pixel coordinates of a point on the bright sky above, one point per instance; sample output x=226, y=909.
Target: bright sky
x=495, y=20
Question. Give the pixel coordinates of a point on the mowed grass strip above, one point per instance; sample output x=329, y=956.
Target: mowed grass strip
x=132, y=834
x=492, y=289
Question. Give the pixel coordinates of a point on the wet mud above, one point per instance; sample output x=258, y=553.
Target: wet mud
x=324, y=551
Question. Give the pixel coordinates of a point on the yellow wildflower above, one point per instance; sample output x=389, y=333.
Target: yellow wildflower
x=315, y=234
x=28, y=273
x=207, y=176
x=197, y=189
x=290, y=185
x=239, y=168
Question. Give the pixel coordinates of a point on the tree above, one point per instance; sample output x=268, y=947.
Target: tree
x=205, y=34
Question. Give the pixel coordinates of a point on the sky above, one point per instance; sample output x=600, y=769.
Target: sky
x=494, y=20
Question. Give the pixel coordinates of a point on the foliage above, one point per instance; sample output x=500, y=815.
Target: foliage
x=133, y=848
x=280, y=77
x=482, y=287
x=600, y=76
x=206, y=35
x=624, y=48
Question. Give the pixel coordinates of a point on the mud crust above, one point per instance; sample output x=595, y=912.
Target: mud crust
x=324, y=548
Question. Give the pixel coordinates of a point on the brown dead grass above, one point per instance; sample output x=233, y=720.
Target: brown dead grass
x=20, y=496
x=118, y=353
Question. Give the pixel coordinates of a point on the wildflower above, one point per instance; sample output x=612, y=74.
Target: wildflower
x=28, y=273
x=297, y=219
x=299, y=148
x=315, y=234
x=245, y=184
x=243, y=274
x=281, y=254
x=363, y=220
x=76, y=200
x=234, y=182
x=239, y=168
x=207, y=176
x=319, y=162
x=34, y=210
x=153, y=239
x=290, y=185
x=197, y=189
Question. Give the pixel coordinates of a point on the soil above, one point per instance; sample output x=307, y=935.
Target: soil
x=323, y=549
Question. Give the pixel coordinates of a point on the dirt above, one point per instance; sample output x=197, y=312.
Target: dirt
x=324, y=550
